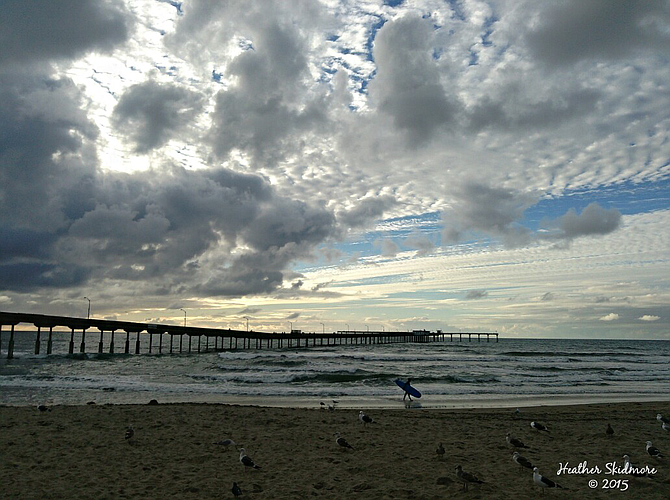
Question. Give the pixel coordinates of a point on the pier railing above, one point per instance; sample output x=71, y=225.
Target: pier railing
x=221, y=338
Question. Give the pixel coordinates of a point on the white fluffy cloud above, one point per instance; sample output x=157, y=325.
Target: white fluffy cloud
x=610, y=317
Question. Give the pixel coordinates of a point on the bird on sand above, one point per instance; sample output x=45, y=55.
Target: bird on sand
x=130, y=432
x=43, y=408
x=440, y=451
x=633, y=470
x=538, y=426
x=246, y=460
x=522, y=461
x=609, y=431
x=466, y=478
x=663, y=419
x=517, y=443
x=237, y=491
x=226, y=443
x=653, y=451
x=342, y=442
x=665, y=427
x=365, y=419
x=542, y=481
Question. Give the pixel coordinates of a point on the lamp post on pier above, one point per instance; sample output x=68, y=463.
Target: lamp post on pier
x=247, y=318
x=88, y=314
x=323, y=328
x=184, y=317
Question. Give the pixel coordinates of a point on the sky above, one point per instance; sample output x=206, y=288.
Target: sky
x=327, y=165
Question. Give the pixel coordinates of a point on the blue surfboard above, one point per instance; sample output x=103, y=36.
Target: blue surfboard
x=411, y=390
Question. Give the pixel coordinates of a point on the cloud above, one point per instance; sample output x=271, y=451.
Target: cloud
x=297, y=285
x=150, y=113
x=420, y=243
x=547, y=297
x=366, y=211
x=177, y=229
x=649, y=317
x=476, y=294
x=319, y=286
x=609, y=317
x=250, y=310
x=294, y=315
x=389, y=248
x=37, y=32
x=266, y=108
x=495, y=211
x=512, y=109
x=598, y=29
x=593, y=221
x=407, y=85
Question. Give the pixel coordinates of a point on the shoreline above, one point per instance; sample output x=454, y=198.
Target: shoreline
x=427, y=402
x=81, y=451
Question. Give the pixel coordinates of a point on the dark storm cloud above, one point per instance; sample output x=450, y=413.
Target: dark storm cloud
x=207, y=232
x=573, y=30
x=27, y=276
x=44, y=166
x=151, y=113
x=43, y=30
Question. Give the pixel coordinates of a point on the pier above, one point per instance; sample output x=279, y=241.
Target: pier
x=139, y=337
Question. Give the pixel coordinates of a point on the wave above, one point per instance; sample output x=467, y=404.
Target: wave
x=559, y=369
x=569, y=354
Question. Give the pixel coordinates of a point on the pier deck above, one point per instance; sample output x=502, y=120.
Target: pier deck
x=222, y=338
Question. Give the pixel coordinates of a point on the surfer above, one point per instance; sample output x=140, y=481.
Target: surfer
x=404, y=388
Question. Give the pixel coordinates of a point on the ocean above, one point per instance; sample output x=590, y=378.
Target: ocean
x=508, y=373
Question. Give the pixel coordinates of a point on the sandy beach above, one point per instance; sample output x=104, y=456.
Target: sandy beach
x=81, y=452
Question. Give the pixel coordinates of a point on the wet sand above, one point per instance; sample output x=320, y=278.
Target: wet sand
x=81, y=452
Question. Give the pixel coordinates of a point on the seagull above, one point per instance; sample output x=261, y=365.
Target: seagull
x=440, y=451
x=342, y=442
x=515, y=442
x=540, y=480
x=246, y=461
x=665, y=427
x=130, y=432
x=522, y=461
x=364, y=418
x=43, y=408
x=538, y=426
x=466, y=477
x=226, y=443
x=653, y=451
x=237, y=491
x=329, y=407
x=609, y=431
x=663, y=419
x=628, y=465
x=516, y=413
